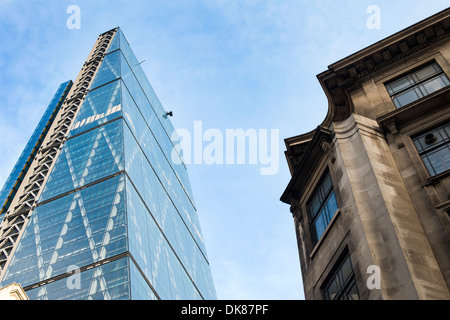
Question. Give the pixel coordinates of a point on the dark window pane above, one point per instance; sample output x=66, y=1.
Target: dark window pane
x=426, y=72
x=353, y=292
x=447, y=131
x=341, y=284
x=322, y=207
x=407, y=97
x=399, y=85
x=333, y=289
x=440, y=159
x=434, y=85
x=417, y=84
x=327, y=186
x=314, y=206
x=347, y=270
x=433, y=146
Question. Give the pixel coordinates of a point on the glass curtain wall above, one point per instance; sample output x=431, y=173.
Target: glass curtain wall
x=115, y=207
x=20, y=169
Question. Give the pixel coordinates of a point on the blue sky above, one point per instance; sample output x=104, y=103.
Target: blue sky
x=227, y=63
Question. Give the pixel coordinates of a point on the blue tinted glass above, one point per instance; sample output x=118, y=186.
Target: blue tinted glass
x=438, y=160
x=35, y=141
x=140, y=289
x=115, y=43
x=315, y=205
x=86, y=158
x=133, y=97
x=320, y=225
x=147, y=213
x=432, y=138
x=322, y=207
x=434, y=148
x=160, y=260
x=186, y=242
x=109, y=70
x=150, y=107
x=79, y=229
x=164, y=186
x=126, y=50
x=145, y=85
x=331, y=206
x=100, y=105
x=109, y=281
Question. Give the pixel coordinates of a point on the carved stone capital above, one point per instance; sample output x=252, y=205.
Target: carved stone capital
x=391, y=125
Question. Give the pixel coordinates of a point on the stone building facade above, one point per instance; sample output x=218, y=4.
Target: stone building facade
x=370, y=187
x=13, y=291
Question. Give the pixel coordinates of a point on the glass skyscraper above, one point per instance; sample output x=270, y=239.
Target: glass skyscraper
x=99, y=206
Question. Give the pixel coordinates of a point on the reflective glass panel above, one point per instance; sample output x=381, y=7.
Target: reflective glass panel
x=109, y=281
x=79, y=229
x=155, y=255
x=86, y=158
x=341, y=283
x=140, y=289
x=322, y=207
x=108, y=70
x=417, y=84
x=161, y=182
x=115, y=192
x=34, y=143
x=434, y=148
x=115, y=43
x=100, y=106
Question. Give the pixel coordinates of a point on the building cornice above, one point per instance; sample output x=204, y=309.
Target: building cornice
x=349, y=72
x=304, y=151
x=317, y=147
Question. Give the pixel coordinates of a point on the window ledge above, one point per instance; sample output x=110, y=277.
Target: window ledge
x=445, y=206
x=324, y=235
x=416, y=109
x=436, y=178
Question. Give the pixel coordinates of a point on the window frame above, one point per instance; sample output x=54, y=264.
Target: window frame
x=315, y=214
x=416, y=83
x=426, y=149
x=346, y=284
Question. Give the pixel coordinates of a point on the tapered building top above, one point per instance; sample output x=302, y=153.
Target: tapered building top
x=104, y=211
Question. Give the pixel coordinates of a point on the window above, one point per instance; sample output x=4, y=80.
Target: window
x=322, y=207
x=434, y=148
x=417, y=84
x=341, y=284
